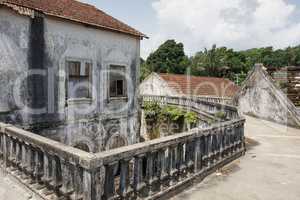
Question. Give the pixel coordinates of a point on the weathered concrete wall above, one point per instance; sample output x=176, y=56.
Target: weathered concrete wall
x=14, y=40
x=47, y=53
x=260, y=97
x=154, y=85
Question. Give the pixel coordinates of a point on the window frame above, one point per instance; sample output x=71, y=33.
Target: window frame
x=89, y=78
x=124, y=82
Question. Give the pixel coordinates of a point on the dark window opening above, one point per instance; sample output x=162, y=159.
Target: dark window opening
x=79, y=79
x=117, y=82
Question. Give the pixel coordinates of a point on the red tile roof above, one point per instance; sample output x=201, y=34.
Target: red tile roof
x=201, y=86
x=76, y=11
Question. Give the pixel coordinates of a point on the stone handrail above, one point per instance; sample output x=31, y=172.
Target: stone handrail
x=197, y=104
x=221, y=100
x=152, y=169
x=47, y=164
x=146, y=170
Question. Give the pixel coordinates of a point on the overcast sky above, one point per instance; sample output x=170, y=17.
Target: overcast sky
x=238, y=24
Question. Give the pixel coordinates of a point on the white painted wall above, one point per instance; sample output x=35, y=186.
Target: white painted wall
x=154, y=85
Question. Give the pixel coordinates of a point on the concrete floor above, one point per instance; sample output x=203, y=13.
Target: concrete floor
x=269, y=171
x=12, y=190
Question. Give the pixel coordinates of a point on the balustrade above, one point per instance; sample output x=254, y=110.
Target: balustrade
x=49, y=167
x=196, y=104
x=144, y=170
x=165, y=163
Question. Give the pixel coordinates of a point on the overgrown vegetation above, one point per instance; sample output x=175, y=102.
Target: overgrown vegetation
x=217, y=61
x=221, y=115
x=163, y=118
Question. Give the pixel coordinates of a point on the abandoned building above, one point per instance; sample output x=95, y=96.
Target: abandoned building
x=184, y=85
x=69, y=71
x=272, y=96
x=70, y=109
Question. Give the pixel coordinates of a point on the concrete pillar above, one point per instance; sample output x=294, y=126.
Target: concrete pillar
x=150, y=172
x=125, y=187
x=139, y=183
x=54, y=183
x=197, y=155
x=109, y=187
x=173, y=171
x=5, y=151
x=67, y=180
x=93, y=183
x=163, y=167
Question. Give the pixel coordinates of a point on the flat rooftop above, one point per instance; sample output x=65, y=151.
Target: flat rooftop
x=269, y=171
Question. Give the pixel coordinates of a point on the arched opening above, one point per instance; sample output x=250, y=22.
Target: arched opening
x=83, y=147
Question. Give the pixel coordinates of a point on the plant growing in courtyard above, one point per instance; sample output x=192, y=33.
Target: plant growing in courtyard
x=168, y=117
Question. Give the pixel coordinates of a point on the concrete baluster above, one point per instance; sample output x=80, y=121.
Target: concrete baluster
x=125, y=187
x=47, y=173
x=138, y=179
x=163, y=175
x=38, y=169
x=18, y=154
x=46, y=168
x=150, y=172
x=197, y=155
x=30, y=163
x=214, y=147
x=77, y=179
x=210, y=150
x=206, y=151
x=227, y=142
x=173, y=162
x=24, y=149
x=93, y=183
x=109, y=187
x=182, y=159
x=67, y=187
x=189, y=154
x=12, y=154
x=220, y=146
x=5, y=151
x=55, y=182
x=1, y=145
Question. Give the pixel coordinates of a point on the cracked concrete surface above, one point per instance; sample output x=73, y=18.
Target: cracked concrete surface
x=269, y=171
x=10, y=189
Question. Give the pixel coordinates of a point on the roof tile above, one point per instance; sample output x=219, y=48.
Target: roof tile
x=201, y=86
x=76, y=11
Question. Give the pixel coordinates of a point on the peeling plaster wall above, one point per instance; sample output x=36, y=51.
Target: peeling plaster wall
x=14, y=38
x=259, y=97
x=64, y=40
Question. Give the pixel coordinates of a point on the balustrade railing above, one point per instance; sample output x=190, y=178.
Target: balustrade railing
x=48, y=166
x=221, y=100
x=196, y=103
x=152, y=169
x=146, y=170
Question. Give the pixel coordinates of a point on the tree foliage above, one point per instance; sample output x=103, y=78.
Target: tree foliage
x=168, y=58
x=217, y=61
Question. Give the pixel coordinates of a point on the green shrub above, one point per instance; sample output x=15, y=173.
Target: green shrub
x=220, y=115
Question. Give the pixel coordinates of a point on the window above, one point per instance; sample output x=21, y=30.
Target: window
x=79, y=79
x=117, y=81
